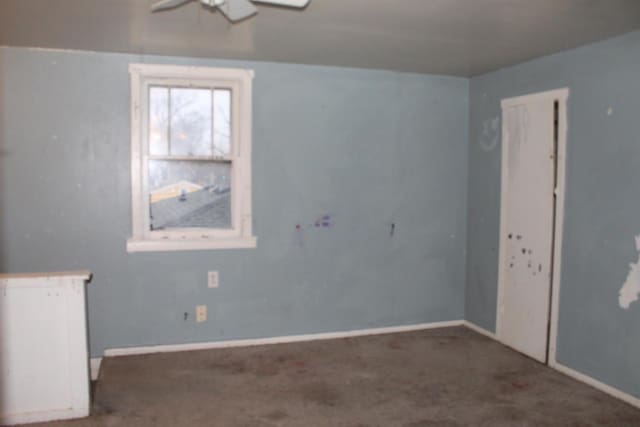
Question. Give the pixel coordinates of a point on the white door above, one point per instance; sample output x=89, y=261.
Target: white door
x=530, y=136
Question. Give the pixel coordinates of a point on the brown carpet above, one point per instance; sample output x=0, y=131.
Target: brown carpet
x=442, y=377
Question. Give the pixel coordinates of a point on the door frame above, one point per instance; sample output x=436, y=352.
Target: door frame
x=562, y=96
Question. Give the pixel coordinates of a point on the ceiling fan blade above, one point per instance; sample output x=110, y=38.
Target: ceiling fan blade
x=237, y=10
x=287, y=3
x=167, y=4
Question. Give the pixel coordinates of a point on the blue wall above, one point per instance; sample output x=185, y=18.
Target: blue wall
x=370, y=148
x=602, y=209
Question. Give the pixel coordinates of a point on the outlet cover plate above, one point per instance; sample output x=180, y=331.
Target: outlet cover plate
x=201, y=313
x=213, y=279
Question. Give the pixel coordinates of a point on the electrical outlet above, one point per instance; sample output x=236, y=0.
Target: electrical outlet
x=201, y=313
x=212, y=279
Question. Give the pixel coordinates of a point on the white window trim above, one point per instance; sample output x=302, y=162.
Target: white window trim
x=240, y=235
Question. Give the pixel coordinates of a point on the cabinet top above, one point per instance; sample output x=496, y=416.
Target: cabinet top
x=79, y=274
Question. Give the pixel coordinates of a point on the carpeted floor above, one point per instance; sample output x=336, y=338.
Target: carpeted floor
x=441, y=377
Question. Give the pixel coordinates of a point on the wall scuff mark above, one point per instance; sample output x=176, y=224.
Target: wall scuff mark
x=517, y=134
x=299, y=236
x=631, y=289
x=490, y=134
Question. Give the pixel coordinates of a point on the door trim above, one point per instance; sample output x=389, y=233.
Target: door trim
x=562, y=96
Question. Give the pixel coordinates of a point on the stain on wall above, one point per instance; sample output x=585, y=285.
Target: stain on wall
x=490, y=136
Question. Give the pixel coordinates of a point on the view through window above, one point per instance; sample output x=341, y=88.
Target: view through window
x=189, y=166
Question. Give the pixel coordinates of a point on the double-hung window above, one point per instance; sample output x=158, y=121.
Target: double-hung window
x=190, y=158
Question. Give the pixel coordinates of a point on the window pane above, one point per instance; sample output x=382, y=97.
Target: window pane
x=189, y=194
x=221, y=122
x=190, y=122
x=158, y=121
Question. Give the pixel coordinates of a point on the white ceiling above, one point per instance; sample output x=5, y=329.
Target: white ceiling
x=455, y=37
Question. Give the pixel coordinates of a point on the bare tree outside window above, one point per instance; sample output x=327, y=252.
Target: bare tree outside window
x=191, y=122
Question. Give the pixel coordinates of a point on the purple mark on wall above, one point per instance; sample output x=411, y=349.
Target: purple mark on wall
x=323, y=221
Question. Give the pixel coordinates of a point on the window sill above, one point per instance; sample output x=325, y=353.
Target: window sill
x=139, y=245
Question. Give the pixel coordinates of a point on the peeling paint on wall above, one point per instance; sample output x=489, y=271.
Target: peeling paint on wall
x=631, y=288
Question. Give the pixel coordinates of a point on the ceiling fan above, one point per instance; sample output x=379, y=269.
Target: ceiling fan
x=234, y=10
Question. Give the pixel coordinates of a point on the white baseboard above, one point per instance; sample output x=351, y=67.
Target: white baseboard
x=94, y=365
x=619, y=394
x=128, y=351
x=480, y=330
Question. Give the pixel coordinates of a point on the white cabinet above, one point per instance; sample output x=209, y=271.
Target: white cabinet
x=44, y=366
